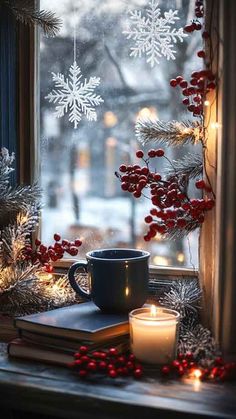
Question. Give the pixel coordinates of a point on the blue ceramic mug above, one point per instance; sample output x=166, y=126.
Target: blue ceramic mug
x=118, y=279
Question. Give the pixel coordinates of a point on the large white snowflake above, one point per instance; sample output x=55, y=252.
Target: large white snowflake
x=152, y=33
x=74, y=96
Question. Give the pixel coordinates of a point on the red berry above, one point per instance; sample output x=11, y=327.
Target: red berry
x=57, y=237
x=83, y=349
x=180, y=371
x=173, y=82
x=200, y=184
x=185, y=101
x=211, y=85
x=157, y=177
x=102, y=365
x=179, y=79
x=160, y=152
x=197, y=26
x=219, y=361
x=148, y=219
x=48, y=268
x=201, y=54
x=77, y=242
x=92, y=366
x=124, y=186
x=180, y=356
x=37, y=242
x=165, y=370
x=112, y=373
x=73, y=251
x=113, y=352
x=137, y=194
x=84, y=358
x=139, y=154
x=186, y=92
x=175, y=363
x=183, y=84
x=130, y=365
x=147, y=238
x=78, y=362
x=123, y=168
x=132, y=357
x=138, y=372
x=152, y=153
x=205, y=35
x=189, y=355
x=83, y=373
x=189, y=28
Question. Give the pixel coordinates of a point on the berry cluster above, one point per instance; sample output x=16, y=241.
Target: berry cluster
x=45, y=255
x=202, y=81
x=186, y=365
x=110, y=363
x=173, y=209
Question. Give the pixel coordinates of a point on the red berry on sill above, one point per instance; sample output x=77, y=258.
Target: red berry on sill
x=112, y=373
x=92, y=366
x=219, y=361
x=83, y=349
x=113, y=352
x=139, y=154
x=78, y=362
x=180, y=356
x=102, y=365
x=180, y=371
x=165, y=370
x=152, y=153
x=73, y=251
x=189, y=355
x=147, y=238
x=37, y=242
x=83, y=373
x=160, y=152
x=138, y=372
x=173, y=82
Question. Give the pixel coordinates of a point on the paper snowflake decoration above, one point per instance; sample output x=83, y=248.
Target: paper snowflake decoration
x=152, y=33
x=74, y=95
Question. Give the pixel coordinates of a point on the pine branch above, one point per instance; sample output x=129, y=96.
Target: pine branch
x=171, y=133
x=180, y=232
x=189, y=167
x=15, y=200
x=15, y=237
x=34, y=295
x=6, y=161
x=25, y=12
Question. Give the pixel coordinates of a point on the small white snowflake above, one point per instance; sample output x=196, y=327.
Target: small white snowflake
x=74, y=96
x=152, y=34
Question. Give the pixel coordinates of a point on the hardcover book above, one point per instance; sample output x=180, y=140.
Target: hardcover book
x=77, y=322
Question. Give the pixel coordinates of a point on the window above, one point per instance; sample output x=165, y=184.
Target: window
x=82, y=196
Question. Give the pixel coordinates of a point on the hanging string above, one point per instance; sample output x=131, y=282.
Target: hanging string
x=74, y=36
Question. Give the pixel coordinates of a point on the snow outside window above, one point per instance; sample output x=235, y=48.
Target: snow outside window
x=82, y=197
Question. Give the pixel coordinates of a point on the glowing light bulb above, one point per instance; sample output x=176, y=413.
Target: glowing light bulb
x=215, y=125
x=126, y=291
x=207, y=103
x=197, y=373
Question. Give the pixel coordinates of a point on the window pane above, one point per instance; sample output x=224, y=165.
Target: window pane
x=82, y=196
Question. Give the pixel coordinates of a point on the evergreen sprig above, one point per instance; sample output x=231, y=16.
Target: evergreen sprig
x=25, y=12
x=172, y=133
x=190, y=166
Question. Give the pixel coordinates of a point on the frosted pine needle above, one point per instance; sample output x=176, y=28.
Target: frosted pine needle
x=171, y=133
x=183, y=296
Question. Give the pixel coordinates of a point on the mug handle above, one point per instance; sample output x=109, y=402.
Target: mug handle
x=73, y=283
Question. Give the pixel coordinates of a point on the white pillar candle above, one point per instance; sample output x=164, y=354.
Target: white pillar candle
x=154, y=333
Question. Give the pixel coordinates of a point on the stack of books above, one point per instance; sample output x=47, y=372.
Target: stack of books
x=54, y=336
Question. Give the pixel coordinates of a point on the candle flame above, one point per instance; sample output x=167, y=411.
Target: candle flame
x=153, y=311
x=126, y=291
